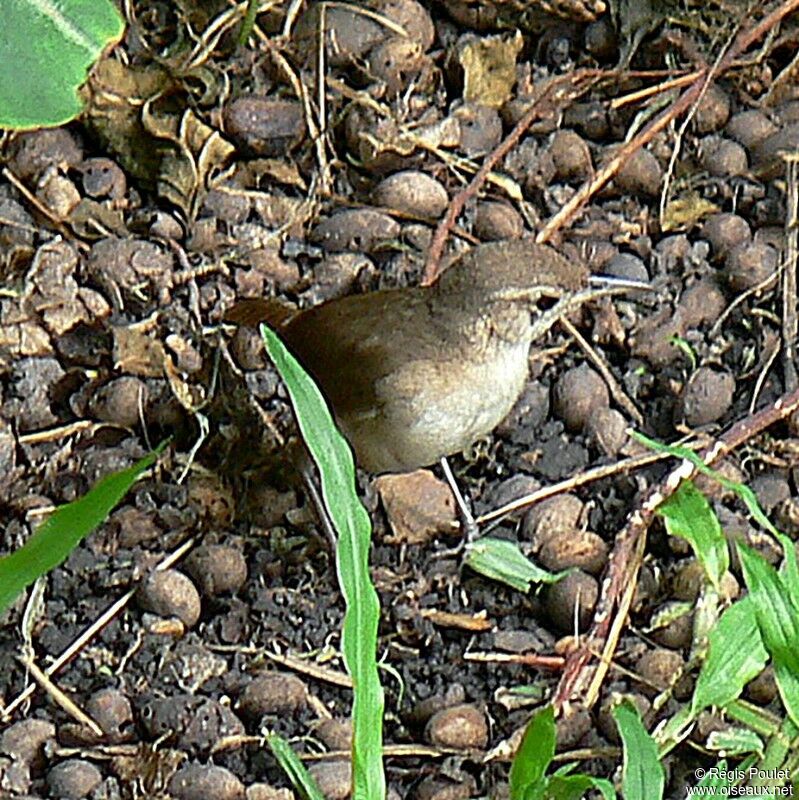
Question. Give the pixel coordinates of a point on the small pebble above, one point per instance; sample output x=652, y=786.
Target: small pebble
x=273, y=693
x=750, y=127
x=577, y=394
x=170, y=593
x=334, y=778
x=111, y=710
x=607, y=430
x=336, y=734
x=121, y=401
x=751, y=264
x=723, y=158
x=577, y=590
x=205, y=781
x=762, y=689
x=73, y=779
x=640, y=175
x=771, y=489
x=712, y=111
x=659, y=669
x=358, y=229
x=707, y=396
x=217, y=568
x=583, y=549
x=571, y=156
x=627, y=265
x=724, y=231
x=494, y=220
x=480, y=129
x=589, y=119
x=572, y=726
x=25, y=740
x=555, y=516
x=463, y=727
x=264, y=126
x=412, y=192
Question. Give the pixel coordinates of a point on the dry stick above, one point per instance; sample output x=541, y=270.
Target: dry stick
x=616, y=390
x=92, y=630
x=789, y=322
x=688, y=98
x=622, y=566
x=573, y=80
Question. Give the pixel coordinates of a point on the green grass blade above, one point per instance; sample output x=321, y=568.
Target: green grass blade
x=688, y=515
x=642, y=774
x=778, y=621
x=533, y=757
x=56, y=538
x=333, y=458
x=301, y=779
x=735, y=655
x=747, y=496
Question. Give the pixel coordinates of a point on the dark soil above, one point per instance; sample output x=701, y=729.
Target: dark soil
x=126, y=238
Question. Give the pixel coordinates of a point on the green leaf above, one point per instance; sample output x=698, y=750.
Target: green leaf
x=642, y=775
x=735, y=742
x=735, y=655
x=503, y=561
x=687, y=514
x=778, y=621
x=56, y=538
x=746, y=495
x=46, y=50
x=534, y=756
x=333, y=458
x=301, y=779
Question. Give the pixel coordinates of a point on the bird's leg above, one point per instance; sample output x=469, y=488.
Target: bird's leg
x=468, y=525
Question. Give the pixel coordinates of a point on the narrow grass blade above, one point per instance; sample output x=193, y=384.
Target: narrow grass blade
x=746, y=495
x=333, y=458
x=778, y=621
x=688, y=515
x=533, y=757
x=503, y=561
x=56, y=538
x=301, y=779
x=642, y=774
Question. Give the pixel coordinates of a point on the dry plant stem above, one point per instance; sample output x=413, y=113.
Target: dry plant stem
x=789, y=322
x=650, y=91
x=582, y=479
x=573, y=88
x=527, y=659
x=578, y=681
x=680, y=106
x=616, y=391
x=90, y=632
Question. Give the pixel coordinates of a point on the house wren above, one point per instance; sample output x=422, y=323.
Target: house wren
x=418, y=373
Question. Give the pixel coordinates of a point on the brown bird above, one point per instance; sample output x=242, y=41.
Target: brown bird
x=418, y=373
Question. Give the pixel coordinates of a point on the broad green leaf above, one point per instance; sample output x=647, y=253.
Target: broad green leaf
x=300, y=778
x=642, y=775
x=503, y=561
x=687, y=514
x=533, y=757
x=46, y=50
x=778, y=621
x=56, y=538
x=735, y=656
x=333, y=458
